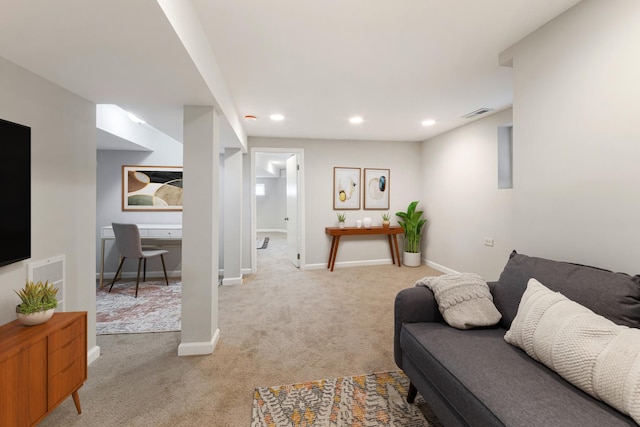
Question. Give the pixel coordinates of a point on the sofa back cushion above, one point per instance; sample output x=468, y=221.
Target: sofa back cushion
x=615, y=296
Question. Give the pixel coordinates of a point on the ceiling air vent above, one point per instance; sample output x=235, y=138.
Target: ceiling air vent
x=477, y=113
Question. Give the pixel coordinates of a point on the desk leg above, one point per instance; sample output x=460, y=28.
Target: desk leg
x=333, y=245
x=395, y=242
x=335, y=252
x=101, y=263
x=393, y=252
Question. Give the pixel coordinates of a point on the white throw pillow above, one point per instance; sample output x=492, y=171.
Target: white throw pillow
x=588, y=350
x=464, y=299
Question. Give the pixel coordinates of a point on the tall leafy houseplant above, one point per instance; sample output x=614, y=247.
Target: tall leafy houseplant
x=412, y=224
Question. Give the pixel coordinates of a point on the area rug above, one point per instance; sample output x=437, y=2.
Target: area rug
x=157, y=308
x=366, y=400
x=262, y=243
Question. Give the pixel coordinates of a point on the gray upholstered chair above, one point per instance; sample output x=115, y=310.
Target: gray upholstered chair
x=129, y=245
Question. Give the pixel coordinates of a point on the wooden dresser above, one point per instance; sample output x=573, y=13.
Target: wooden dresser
x=40, y=366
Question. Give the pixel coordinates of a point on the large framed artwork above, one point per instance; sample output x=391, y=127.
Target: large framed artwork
x=151, y=188
x=376, y=188
x=346, y=188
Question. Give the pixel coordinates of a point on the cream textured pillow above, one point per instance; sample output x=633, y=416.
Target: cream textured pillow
x=463, y=299
x=588, y=350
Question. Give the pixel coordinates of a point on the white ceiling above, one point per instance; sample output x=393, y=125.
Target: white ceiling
x=395, y=63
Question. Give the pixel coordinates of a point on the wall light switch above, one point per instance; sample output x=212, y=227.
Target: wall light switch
x=488, y=241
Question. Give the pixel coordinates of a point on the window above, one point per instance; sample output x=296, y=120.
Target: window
x=260, y=190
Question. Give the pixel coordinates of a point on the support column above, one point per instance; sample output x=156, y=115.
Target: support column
x=200, y=219
x=232, y=216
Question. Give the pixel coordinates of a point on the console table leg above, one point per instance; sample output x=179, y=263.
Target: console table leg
x=333, y=244
x=335, y=252
x=393, y=252
x=76, y=401
x=395, y=242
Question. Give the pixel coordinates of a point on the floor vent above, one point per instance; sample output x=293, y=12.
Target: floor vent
x=52, y=270
x=476, y=113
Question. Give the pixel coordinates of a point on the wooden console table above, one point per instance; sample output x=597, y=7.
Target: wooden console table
x=337, y=232
x=40, y=366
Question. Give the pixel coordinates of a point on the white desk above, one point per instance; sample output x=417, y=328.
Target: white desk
x=148, y=232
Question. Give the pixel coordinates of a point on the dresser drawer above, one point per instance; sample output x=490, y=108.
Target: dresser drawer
x=67, y=380
x=59, y=359
x=65, y=335
x=169, y=233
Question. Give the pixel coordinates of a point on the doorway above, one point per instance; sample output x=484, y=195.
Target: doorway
x=286, y=216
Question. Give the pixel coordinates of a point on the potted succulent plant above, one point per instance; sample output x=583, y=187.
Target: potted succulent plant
x=412, y=224
x=341, y=219
x=38, y=303
x=386, y=219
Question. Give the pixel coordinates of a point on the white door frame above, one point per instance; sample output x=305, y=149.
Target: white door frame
x=301, y=216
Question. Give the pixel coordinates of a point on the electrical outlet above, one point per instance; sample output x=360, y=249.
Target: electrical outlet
x=488, y=241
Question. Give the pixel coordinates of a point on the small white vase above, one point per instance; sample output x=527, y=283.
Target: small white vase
x=36, y=318
x=366, y=221
x=341, y=224
x=411, y=259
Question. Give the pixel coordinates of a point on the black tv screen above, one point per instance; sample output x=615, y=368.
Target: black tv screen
x=15, y=197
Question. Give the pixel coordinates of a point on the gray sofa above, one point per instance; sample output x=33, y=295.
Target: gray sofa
x=474, y=378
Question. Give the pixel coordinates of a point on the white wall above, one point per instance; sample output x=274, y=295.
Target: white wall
x=402, y=158
x=271, y=209
x=63, y=185
x=577, y=137
x=109, y=203
x=462, y=201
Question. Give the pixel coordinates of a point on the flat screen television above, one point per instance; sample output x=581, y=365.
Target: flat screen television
x=15, y=196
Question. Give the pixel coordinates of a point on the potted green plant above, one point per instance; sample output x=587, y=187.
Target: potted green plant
x=412, y=223
x=38, y=302
x=341, y=219
x=386, y=217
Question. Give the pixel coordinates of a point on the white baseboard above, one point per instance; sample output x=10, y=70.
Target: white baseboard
x=133, y=274
x=230, y=281
x=441, y=267
x=349, y=264
x=199, y=348
x=93, y=354
x=270, y=230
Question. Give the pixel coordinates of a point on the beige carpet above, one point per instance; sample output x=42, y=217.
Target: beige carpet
x=283, y=326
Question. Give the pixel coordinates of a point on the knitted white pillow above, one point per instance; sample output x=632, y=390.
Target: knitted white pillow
x=464, y=299
x=588, y=350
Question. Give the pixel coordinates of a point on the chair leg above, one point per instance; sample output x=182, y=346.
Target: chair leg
x=166, y=279
x=144, y=271
x=411, y=395
x=138, y=276
x=117, y=272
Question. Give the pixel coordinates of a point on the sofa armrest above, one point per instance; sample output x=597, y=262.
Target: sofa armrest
x=413, y=305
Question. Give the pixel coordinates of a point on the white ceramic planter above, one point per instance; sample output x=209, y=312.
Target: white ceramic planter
x=35, y=318
x=411, y=259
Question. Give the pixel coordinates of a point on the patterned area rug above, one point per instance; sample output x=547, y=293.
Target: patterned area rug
x=157, y=308
x=366, y=400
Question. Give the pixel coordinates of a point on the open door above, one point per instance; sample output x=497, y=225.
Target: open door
x=293, y=251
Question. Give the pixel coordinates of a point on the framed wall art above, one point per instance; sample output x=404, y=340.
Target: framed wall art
x=151, y=188
x=346, y=188
x=376, y=188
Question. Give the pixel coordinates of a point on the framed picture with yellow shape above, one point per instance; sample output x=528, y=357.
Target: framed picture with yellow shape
x=346, y=188
x=151, y=188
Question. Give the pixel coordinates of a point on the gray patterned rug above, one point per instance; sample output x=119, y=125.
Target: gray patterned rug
x=157, y=308
x=366, y=400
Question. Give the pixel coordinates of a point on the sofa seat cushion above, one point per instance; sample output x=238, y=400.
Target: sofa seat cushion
x=478, y=371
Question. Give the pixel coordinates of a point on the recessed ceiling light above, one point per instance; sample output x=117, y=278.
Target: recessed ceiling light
x=135, y=119
x=250, y=118
x=429, y=122
x=276, y=117
x=356, y=120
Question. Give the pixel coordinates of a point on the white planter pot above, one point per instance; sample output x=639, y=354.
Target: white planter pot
x=36, y=318
x=411, y=259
